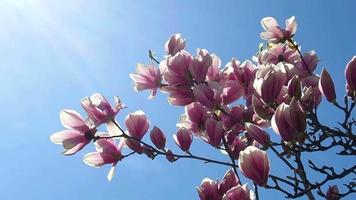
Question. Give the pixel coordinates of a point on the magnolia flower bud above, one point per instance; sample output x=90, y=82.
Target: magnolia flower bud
x=332, y=193
x=326, y=86
x=257, y=134
x=175, y=44
x=137, y=125
x=229, y=181
x=169, y=156
x=350, y=74
x=254, y=164
x=158, y=138
x=208, y=190
x=183, y=139
x=294, y=87
x=297, y=116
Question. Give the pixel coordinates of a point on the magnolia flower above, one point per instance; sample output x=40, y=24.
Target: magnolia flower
x=239, y=192
x=107, y=152
x=307, y=67
x=158, y=138
x=175, y=44
x=99, y=109
x=199, y=66
x=197, y=114
x=183, y=139
x=254, y=164
x=147, y=77
x=326, y=86
x=208, y=95
x=77, y=135
x=177, y=69
x=269, y=82
x=214, y=73
x=294, y=87
x=257, y=134
x=350, y=74
x=214, y=131
x=274, y=33
x=278, y=53
x=282, y=124
x=179, y=96
x=208, y=190
x=332, y=193
x=137, y=125
x=229, y=181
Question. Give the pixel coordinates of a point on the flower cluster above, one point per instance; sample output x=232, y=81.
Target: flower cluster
x=229, y=107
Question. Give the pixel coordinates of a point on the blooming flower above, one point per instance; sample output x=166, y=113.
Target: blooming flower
x=107, y=152
x=254, y=164
x=77, y=135
x=99, y=109
x=274, y=33
x=147, y=77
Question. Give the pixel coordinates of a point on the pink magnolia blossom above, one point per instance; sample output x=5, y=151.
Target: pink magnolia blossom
x=158, y=138
x=311, y=97
x=289, y=120
x=147, y=77
x=199, y=66
x=175, y=44
x=232, y=90
x=208, y=190
x=274, y=33
x=254, y=164
x=214, y=131
x=183, y=139
x=269, y=81
x=176, y=69
x=332, y=193
x=311, y=61
x=107, y=152
x=208, y=95
x=77, y=135
x=229, y=181
x=294, y=87
x=214, y=73
x=179, y=96
x=237, y=144
x=257, y=134
x=326, y=86
x=350, y=74
x=99, y=109
x=235, y=117
x=239, y=192
x=137, y=125
x=278, y=53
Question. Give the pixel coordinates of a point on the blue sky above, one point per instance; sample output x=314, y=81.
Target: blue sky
x=53, y=53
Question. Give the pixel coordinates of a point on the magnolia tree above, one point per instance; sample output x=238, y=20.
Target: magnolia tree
x=230, y=109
